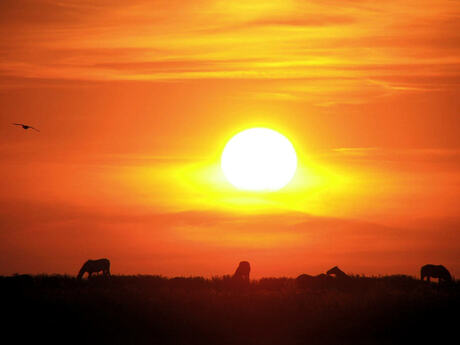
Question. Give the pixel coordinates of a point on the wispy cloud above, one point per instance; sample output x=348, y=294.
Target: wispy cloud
x=364, y=42
x=432, y=158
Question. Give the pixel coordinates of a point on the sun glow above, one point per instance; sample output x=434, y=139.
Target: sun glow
x=259, y=159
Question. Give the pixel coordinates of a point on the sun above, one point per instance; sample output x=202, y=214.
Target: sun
x=259, y=159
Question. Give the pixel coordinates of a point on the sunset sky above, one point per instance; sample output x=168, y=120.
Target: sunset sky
x=135, y=101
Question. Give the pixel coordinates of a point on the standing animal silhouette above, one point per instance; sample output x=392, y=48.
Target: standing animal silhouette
x=95, y=266
x=435, y=271
x=242, y=272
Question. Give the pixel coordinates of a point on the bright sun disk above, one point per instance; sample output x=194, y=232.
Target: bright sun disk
x=259, y=159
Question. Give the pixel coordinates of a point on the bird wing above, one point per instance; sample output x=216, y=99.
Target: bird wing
x=34, y=128
x=18, y=124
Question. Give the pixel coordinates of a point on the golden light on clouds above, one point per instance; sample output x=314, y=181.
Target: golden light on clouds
x=136, y=101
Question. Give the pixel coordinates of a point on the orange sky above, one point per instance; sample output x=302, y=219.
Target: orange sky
x=136, y=99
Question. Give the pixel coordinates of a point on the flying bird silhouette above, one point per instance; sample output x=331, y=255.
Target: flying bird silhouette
x=25, y=126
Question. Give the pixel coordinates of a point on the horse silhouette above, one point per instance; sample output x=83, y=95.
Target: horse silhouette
x=319, y=282
x=242, y=272
x=337, y=272
x=304, y=280
x=435, y=271
x=95, y=266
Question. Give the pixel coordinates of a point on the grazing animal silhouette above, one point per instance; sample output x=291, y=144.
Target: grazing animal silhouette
x=319, y=282
x=94, y=266
x=303, y=280
x=242, y=272
x=337, y=272
x=435, y=271
x=25, y=126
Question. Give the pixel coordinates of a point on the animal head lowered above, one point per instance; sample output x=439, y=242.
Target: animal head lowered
x=95, y=266
x=435, y=271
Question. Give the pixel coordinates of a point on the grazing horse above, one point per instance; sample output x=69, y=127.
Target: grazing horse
x=94, y=266
x=316, y=283
x=337, y=272
x=435, y=271
x=304, y=281
x=242, y=272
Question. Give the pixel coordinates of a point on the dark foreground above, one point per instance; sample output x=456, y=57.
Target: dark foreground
x=157, y=310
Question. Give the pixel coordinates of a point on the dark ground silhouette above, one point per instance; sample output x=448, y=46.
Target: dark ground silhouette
x=158, y=310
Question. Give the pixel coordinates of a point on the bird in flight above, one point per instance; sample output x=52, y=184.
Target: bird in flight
x=25, y=126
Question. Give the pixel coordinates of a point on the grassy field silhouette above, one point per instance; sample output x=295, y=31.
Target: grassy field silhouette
x=157, y=310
